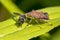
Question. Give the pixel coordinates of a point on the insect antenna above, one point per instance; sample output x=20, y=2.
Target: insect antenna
x=16, y=13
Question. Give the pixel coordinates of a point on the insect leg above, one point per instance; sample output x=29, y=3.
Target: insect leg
x=37, y=23
x=30, y=21
x=35, y=20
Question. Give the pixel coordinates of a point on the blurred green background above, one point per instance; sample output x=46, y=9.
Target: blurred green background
x=28, y=5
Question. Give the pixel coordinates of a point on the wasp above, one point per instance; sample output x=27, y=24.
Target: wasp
x=33, y=15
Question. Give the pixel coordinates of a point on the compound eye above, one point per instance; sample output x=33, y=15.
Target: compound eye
x=23, y=16
x=21, y=21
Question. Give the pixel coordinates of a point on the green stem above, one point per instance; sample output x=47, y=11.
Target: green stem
x=11, y=7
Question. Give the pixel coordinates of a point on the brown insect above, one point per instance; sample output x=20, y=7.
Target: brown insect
x=35, y=14
x=38, y=15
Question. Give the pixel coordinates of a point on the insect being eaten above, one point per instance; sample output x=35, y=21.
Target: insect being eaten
x=38, y=15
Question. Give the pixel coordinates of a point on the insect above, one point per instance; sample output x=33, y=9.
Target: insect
x=33, y=14
x=39, y=15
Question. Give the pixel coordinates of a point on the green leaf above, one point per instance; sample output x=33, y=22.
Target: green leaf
x=33, y=30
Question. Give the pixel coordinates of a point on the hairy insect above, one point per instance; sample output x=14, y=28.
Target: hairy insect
x=33, y=14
